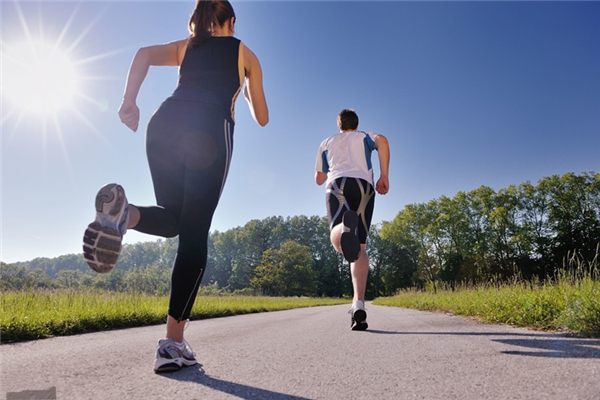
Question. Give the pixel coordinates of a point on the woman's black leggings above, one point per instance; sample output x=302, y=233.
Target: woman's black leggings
x=189, y=146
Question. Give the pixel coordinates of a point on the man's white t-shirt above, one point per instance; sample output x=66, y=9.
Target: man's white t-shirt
x=347, y=154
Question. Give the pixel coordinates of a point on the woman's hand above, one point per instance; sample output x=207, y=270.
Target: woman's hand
x=129, y=113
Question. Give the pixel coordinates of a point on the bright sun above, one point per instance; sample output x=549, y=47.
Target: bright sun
x=39, y=78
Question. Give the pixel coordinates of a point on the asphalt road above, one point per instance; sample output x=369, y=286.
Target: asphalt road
x=311, y=353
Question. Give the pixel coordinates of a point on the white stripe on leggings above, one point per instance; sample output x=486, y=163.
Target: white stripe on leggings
x=228, y=151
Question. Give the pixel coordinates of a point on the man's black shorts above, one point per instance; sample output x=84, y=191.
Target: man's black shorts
x=356, y=194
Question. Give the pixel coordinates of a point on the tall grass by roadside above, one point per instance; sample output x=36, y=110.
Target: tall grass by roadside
x=37, y=314
x=569, y=303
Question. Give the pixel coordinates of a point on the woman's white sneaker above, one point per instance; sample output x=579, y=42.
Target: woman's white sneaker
x=102, y=238
x=172, y=356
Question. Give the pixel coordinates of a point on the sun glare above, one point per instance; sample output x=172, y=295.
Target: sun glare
x=47, y=82
x=39, y=78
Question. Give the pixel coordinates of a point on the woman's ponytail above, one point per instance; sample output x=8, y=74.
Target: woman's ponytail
x=206, y=15
x=201, y=21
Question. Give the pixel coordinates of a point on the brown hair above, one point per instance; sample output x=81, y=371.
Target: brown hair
x=347, y=120
x=206, y=15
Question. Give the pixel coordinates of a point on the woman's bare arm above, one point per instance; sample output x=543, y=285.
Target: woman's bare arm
x=169, y=54
x=253, y=91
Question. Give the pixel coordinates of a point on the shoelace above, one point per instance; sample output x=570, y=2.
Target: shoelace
x=189, y=348
x=185, y=343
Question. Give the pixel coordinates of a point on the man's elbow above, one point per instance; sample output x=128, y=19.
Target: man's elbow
x=382, y=141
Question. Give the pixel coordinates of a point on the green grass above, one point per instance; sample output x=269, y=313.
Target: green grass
x=37, y=314
x=565, y=304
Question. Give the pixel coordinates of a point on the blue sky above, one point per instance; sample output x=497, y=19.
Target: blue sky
x=468, y=94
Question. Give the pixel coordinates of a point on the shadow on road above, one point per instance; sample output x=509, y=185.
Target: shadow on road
x=197, y=374
x=533, y=334
x=555, y=348
x=550, y=344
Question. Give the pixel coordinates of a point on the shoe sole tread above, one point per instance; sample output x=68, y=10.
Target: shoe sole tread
x=102, y=240
x=106, y=196
x=101, y=248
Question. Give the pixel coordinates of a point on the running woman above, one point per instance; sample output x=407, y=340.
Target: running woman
x=189, y=142
x=344, y=162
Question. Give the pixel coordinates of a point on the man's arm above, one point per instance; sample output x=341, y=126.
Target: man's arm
x=383, y=151
x=321, y=165
x=320, y=177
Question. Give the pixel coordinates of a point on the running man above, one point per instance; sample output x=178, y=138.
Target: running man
x=344, y=162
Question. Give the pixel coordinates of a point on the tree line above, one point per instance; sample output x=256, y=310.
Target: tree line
x=274, y=256
x=527, y=231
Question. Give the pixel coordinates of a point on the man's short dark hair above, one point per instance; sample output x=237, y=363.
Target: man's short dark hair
x=347, y=120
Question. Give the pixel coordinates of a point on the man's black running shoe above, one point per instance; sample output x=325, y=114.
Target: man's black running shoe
x=358, y=317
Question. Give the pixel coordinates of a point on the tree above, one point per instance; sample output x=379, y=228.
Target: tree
x=228, y=271
x=403, y=243
x=111, y=281
x=152, y=279
x=141, y=254
x=286, y=272
x=69, y=279
x=535, y=236
x=574, y=209
x=38, y=278
x=12, y=277
x=333, y=275
x=504, y=232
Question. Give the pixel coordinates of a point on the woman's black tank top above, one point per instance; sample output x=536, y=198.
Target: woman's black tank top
x=209, y=73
